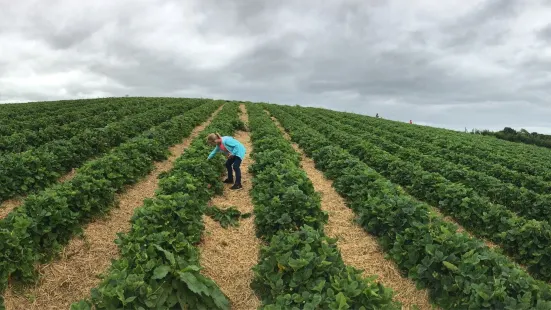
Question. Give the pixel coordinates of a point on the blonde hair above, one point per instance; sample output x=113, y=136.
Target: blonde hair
x=211, y=138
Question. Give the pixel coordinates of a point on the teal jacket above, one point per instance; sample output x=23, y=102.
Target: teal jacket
x=233, y=146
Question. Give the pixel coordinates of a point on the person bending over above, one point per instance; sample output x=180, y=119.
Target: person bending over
x=235, y=153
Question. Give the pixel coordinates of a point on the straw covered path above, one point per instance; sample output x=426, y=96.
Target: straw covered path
x=228, y=254
x=9, y=205
x=358, y=248
x=71, y=277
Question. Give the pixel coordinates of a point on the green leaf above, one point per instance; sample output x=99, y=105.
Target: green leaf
x=168, y=255
x=81, y=305
x=319, y=287
x=193, y=283
x=160, y=272
x=450, y=266
x=341, y=301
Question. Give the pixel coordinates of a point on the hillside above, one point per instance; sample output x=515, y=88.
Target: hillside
x=111, y=203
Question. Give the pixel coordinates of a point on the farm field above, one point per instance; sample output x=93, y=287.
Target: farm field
x=112, y=204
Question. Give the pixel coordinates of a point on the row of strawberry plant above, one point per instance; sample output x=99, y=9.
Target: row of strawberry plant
x=526, y=241
x=300, y=268
x=508, y=154
x=30, y=120
x=35, y=169
x=486, y=143
x=34, y=108
x=98, y=115
x=81, y=112
x=45, y=222
x=168, y=227
x=520, y=200
x=22, y=110
x=536, y=184
x=459, y=272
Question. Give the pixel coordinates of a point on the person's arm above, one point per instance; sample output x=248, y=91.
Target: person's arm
x=216, y=150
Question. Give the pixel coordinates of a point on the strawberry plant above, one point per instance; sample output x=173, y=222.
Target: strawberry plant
x=459, y=272
x=226, y=217
x=300, y=268
x=94, y=116
x=525, y=202
x=38, y=168
x=159, y=265
x=304, y=270
x=46, y=221
x=526, y=241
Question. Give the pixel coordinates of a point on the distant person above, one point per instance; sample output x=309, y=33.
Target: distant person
x=377, y=116
x=234, y=151
x=410, y=122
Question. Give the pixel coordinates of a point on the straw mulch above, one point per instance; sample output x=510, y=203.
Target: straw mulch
x=70, y=278
x=358, y=248
x=227, y=255
x=9, y=205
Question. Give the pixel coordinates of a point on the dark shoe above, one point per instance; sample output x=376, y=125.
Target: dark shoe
x=228, y=181
x=237, y=186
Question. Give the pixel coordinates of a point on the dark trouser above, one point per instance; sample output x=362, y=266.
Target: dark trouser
x=236, y=162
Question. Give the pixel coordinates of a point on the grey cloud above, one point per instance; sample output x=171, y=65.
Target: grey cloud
x=453, y=64
x=545, y=33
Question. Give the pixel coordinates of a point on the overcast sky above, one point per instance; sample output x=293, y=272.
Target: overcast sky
x=454, y=64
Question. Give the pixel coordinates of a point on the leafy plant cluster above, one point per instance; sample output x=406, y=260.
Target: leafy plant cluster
x=94, y=116
x=405, y=136
x=226, y=217
x=511, y=155
x=526, y=241
x=37, y=168
x=300, y=268
x=520, y=200
x=159, y=264
x=36, y=115
x=46, y=221
x=460, y=272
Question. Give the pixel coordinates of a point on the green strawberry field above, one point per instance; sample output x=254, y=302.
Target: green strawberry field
x=347, y=211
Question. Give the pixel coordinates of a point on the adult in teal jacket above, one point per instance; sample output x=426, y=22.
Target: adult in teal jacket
x=234, y=151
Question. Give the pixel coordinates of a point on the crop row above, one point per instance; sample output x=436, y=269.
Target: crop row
x=525, y=202
x=536, y=184
x=487, y=143
x=300, y=268
x=508, y=154
x=35, y=169
x=46, y=221
x=407, y=137
x=27, y=109
x=168, y=227
x=526, y=241
x=459, y=272
x=52, y=114
x=97, y=115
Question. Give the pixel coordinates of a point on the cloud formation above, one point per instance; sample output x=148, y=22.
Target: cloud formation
x=454, y=64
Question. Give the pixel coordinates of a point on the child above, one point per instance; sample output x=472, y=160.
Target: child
x=235, y=152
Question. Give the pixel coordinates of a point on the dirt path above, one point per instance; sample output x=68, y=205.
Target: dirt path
x=9, y=205
x=70, y=278
x=227, y=255
x=358, y=248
